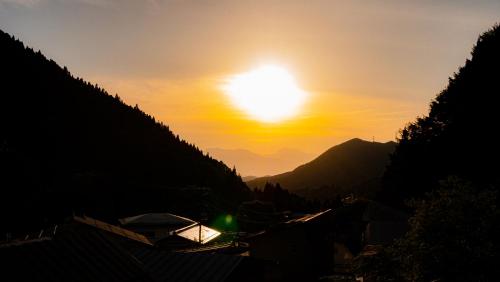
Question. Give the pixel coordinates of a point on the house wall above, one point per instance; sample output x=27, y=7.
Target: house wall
x=342, y=259
x=301, y=250
x=384, y=232
x=288, y=247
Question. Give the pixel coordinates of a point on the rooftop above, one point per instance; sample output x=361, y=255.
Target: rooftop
x=112, y=229
x=71, y=255
x=156, y=219
x=198, y=233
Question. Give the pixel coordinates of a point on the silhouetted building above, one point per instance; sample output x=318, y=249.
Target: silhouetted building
x=257, y=215
x=68, y=253
x=125, y=236
x=342, y=258
x=173, y=267
x=169, y=231
x=364, y=223
x=383, y=224
x=87, y=249
x=303, y=247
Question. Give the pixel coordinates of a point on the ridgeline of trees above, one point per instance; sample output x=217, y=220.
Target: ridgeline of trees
x=283, y=200
x=67, y=146
x=458, y=137
x=447, y=162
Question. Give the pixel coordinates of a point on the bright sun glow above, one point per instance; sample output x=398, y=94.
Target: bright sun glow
x=268, y=93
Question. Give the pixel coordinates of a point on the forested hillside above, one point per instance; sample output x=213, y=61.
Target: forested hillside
x=446, y=168
x=67, y=146
x=355, y=166
x=458, y=136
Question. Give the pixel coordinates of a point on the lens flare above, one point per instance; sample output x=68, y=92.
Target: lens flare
x=229, y=219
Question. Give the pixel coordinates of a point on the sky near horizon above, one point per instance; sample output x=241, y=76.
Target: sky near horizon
x=368, y=67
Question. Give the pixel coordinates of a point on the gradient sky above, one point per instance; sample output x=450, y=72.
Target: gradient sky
x=369, y=66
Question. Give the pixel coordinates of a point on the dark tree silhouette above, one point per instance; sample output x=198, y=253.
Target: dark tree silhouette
x=458, y=137
x=68, y=146
x=454, y=236
x=283, y=200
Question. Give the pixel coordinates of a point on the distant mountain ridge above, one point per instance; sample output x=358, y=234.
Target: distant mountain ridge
x=67, y=146
x=248, y=163
x=353, y=166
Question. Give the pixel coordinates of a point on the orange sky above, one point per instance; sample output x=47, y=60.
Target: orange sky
x=369, y=66
x=201, y=113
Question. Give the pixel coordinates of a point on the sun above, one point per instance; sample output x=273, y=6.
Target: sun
x=267, y=93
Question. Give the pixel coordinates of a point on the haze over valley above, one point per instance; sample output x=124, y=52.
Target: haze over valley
x=251, y=164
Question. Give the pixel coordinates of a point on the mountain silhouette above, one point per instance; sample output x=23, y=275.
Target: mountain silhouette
x=67, y=146
x=354, y=166
x=458, y=136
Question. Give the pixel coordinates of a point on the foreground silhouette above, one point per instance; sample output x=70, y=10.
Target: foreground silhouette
x=448, y=163
x=67, y=146
x=458, y=136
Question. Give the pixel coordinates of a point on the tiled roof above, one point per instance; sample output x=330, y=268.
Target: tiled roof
x=113, y=229
x=308, y=217
x=70, y=256
x=296, y=222
x=173, y=267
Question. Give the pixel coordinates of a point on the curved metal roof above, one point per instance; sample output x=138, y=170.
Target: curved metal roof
x=156, y=219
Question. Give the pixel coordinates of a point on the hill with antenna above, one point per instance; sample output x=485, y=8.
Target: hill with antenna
x=355, y=166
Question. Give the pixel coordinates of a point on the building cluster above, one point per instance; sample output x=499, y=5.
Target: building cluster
x=168, y=247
